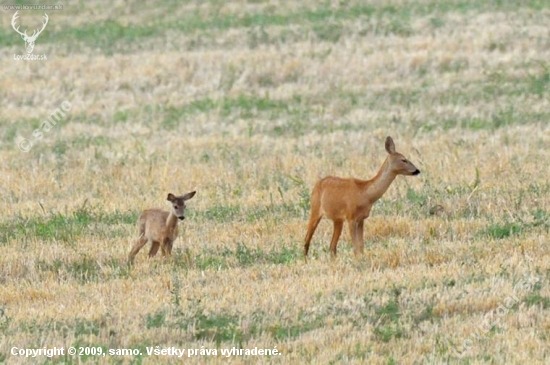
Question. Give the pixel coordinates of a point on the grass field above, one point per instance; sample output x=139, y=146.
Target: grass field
x=250, y=102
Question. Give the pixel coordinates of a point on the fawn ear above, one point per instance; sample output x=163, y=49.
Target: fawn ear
x=171, y=197
x=189, y=195
x=390, y=146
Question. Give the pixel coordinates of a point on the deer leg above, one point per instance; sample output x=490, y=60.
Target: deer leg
x=336, y=236
x=163, y=247
x=315, y=216
x=168, y=245
x=352, y=225
x=154, y=248
x=358, y=244
x=311, y=227
x=137, y=246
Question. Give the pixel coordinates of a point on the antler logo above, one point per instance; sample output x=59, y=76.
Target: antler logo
x=29, y=40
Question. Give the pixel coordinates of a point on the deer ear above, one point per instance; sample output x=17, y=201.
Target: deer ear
x=171, y=197
x=390, y=146
x=189, y=195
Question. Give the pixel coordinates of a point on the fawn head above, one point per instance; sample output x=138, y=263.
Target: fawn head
x=178, y=203
x=398, y=163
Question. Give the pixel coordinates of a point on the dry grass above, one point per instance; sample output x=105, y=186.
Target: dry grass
x=250, y=102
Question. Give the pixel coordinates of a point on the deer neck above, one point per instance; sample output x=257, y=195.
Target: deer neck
x=381, y=182
x=171, y=221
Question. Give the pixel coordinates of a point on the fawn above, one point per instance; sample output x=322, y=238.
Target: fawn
x=351, y=199
x=160, y=227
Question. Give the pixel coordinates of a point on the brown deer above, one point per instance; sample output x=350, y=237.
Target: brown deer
x=160, y=227
x=351, y=199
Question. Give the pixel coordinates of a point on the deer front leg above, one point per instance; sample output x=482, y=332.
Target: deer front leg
x=168, y=246
x=358, y=243
x=352, y=225
x=335, y=236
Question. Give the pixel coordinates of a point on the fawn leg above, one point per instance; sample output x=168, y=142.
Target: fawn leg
x=138, y=246
x=154, y=248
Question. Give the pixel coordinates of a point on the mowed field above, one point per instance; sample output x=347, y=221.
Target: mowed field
x=249, y=103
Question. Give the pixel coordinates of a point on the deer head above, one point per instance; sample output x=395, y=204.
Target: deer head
x=29, y=40
x=178, y=203
x=398, y=163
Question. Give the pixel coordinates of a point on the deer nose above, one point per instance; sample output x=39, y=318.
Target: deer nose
x=416, y=172
x=181, y=218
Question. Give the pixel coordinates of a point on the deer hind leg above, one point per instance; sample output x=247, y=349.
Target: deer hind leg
x=137, y=246
x=338, y=225
x=154, y=248
x=314, y=219
x=311, y=227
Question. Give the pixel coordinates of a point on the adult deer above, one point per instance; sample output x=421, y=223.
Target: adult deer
x=351, y=199
x=29, y=40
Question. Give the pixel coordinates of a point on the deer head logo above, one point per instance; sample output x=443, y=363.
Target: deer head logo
x=29, y=40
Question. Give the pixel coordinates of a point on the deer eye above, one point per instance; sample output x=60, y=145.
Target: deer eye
x=403, y=160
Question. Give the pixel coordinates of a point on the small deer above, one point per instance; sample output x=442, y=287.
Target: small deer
x=351, y=199
x=29, y=40
x=160, y=227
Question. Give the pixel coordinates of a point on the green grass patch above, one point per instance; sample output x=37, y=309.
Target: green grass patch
x=77, y=327
x=252, y=256
x=9, y=132
x=109, y=33
x=427, y=314
x=537, y=300
x=83, y=141
x=387, y=332
x=388, y=312
x=537, y=219
x=303, y=324
x=502, y=230
x=85, y=269
x=196, y=322
x=228, y=213
x=155, y=320
x=216, y=327
x=241, y=256
x=387, y=320
x=218, y=213
x=5, y=320
x=240, y=107
x=58, y=227
x=61, y=227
